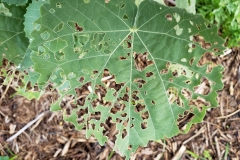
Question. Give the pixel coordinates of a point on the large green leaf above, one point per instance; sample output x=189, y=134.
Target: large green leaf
x=13, y=43
x=150, y=51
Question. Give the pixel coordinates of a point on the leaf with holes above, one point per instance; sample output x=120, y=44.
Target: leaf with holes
x=32, y=14
x=138, y=67
x=13, y=43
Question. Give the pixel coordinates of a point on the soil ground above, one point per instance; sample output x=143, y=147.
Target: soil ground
x=217, y=137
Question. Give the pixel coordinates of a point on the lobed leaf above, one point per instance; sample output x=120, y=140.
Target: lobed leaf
x=150, y=53
x=13, y=43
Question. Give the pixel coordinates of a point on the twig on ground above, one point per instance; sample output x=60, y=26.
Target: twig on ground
x=217, y=147
x=179, y=153
x=57, y=152
x=159, y=156
x=198, y=133
x=1, y=148
x=209, y=137
x=15, y=144
x=5, y=92
x=37, y=123
x=206, y=137
x=229, y=114
x=234, y=119
x=223, y=136
x=2, y=114
x=26, y=126
x=164, y=145
x=66, y=147
x=226, y=52
x=221, y=104
x=90, y=140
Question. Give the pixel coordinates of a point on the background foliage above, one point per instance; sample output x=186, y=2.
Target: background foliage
x=225, y=14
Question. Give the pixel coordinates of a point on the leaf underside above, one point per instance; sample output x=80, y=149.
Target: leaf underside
x=149, y=53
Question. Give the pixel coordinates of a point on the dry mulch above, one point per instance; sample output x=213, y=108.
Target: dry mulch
x=52, y=138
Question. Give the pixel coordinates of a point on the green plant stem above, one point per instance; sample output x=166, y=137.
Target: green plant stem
x=110, y=156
